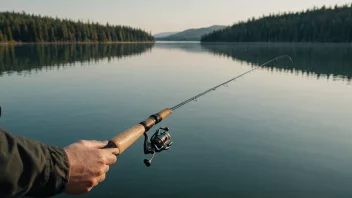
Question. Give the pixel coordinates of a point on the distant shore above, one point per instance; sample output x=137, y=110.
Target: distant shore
x=152, y=42
x=71, y=43
x=264, y=42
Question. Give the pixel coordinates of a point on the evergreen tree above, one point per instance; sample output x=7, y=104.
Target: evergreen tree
x=45, y=33
x=9, y=34
x=52, y=37
x=1, y=36
x=24, y=33
x=314, y=25
x=23, y=27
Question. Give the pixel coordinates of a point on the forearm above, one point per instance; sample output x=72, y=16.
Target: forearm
x=30, y=168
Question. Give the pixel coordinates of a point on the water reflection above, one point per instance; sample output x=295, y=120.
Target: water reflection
x=318, y=60
x=38, y=57
x=191, y=47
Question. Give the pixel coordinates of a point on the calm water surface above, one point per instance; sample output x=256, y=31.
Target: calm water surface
x=282, y=131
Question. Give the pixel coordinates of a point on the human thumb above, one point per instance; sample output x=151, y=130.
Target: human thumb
x=96, y=144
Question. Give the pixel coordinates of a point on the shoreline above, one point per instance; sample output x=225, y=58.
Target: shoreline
x=158, y=41
x=277, y=43
x=74, y=43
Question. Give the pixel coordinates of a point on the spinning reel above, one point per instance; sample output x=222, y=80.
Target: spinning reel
x=160, y=141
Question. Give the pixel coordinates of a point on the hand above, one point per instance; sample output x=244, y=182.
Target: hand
x=88, y=165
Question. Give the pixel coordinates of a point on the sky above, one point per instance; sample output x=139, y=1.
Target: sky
x=157, y=16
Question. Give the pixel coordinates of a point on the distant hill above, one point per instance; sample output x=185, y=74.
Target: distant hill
x=163, y=34
x=323, y=24
x=191, y=34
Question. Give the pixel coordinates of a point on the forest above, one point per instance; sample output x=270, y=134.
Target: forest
x=325, y=24
x=27, y=28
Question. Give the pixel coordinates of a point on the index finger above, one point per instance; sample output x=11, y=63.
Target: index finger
x=110, y=159
x=114, y=151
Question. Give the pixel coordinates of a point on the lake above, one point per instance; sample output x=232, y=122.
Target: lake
x=283, y=130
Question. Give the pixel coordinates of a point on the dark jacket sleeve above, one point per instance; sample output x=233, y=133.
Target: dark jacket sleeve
x=30, y=168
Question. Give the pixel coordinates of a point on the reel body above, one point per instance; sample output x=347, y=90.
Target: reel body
x=159, y=141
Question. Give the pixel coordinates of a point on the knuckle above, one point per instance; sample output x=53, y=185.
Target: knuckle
x=86, y=190
x=100, y=172
x=91, y=183
x=103, y=178
x=117, y=151
x=82, y=141
x=114, y=159
x=101, y=159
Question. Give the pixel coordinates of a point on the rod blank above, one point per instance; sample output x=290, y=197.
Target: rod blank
x=224, y=83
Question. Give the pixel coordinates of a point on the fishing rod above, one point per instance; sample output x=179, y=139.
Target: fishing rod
x=161, y=139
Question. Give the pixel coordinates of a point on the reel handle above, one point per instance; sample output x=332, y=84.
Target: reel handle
x=129, y=136
x=148, y=162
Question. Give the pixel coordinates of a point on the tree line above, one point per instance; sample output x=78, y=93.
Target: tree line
x=22, y=27
x=325, y=24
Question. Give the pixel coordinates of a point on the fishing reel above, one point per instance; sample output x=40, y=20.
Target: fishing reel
x=160, y=141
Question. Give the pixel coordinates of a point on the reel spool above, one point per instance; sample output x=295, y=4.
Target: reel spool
x=160, y=141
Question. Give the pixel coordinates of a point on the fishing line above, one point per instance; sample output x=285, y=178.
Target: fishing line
x=225, y=83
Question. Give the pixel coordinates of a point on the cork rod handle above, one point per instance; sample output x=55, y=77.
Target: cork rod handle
x=129, y=136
